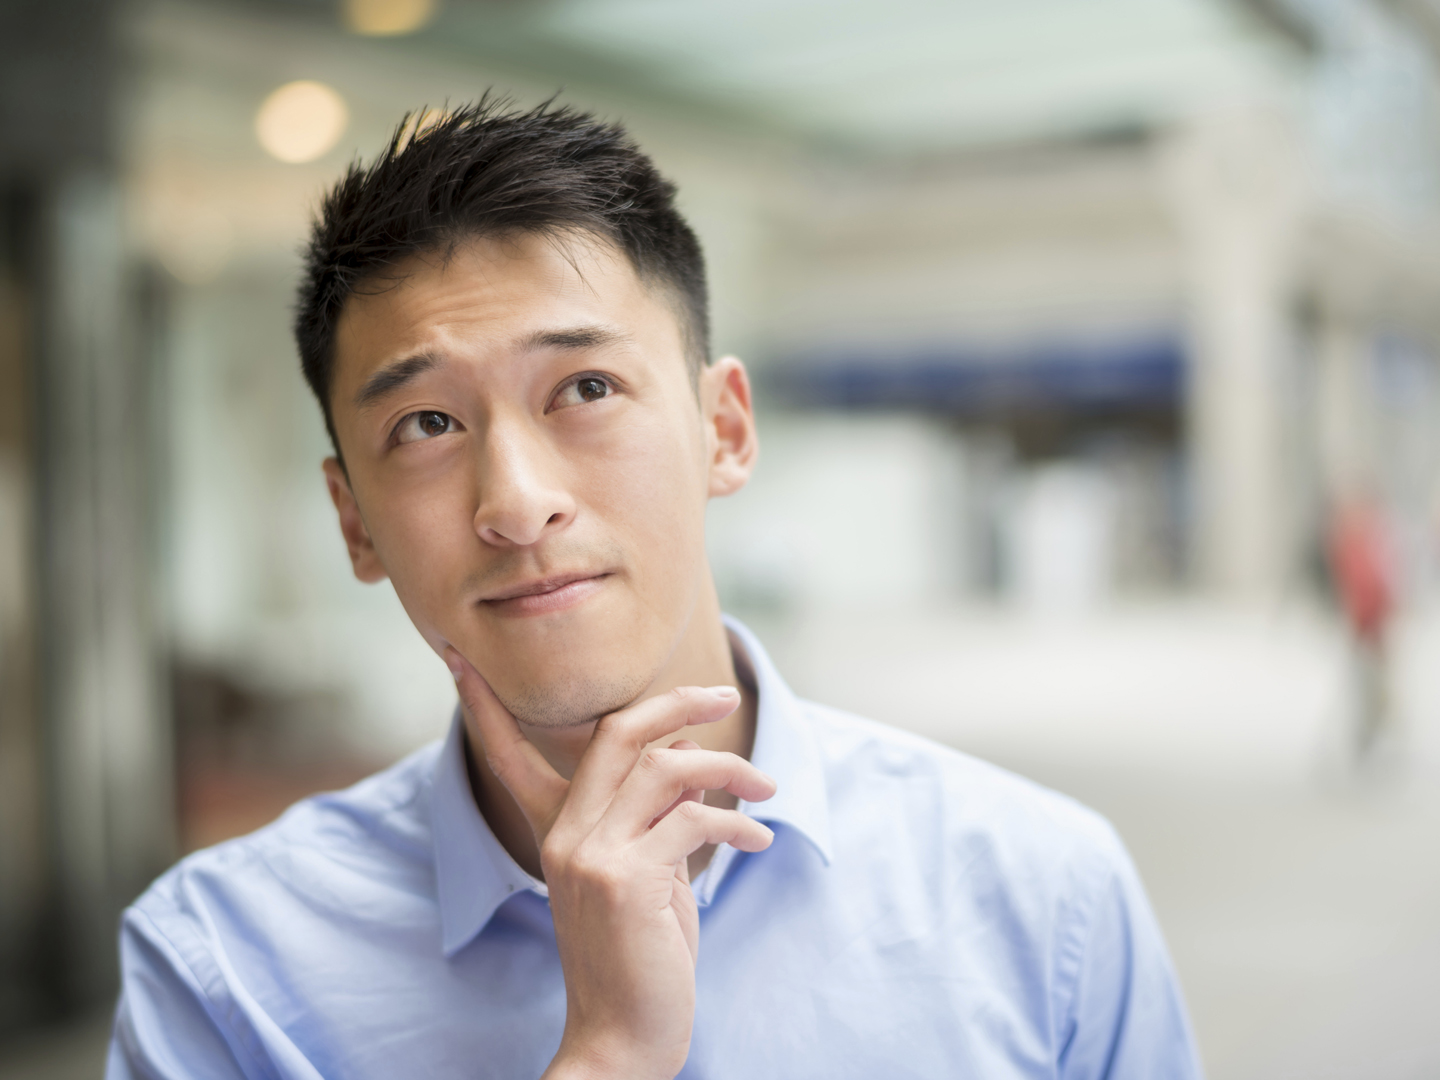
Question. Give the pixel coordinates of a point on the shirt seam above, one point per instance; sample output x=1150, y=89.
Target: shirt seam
x=1073, y=952
x=384, y=806
x=261, y=845
x=218, y=1013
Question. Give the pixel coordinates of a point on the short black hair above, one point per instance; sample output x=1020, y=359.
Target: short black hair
x=491, y=169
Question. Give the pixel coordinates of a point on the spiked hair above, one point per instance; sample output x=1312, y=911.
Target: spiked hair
x=484, y=170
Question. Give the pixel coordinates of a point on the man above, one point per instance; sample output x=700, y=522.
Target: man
x=637, y=854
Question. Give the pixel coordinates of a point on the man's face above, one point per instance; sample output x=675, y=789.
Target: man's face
x=529, y=464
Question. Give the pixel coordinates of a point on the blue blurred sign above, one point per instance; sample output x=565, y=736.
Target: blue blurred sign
x=1084, y=377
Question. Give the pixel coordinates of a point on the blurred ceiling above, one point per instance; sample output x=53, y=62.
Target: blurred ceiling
x=890, y=75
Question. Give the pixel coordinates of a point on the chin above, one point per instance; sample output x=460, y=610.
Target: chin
x=573, y=668
x=572, y=700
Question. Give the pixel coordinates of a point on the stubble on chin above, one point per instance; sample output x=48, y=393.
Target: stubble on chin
x=575, y=702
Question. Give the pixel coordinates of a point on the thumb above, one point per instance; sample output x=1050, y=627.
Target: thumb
x=515, y=760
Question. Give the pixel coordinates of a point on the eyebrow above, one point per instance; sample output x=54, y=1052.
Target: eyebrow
x=574, y=337
x=393, y=376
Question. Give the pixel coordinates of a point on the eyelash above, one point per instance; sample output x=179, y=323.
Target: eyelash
x=585, y=376
x=450, y=421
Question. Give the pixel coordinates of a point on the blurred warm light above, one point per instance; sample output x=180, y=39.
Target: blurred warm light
x=386, y=18
x=300, y=121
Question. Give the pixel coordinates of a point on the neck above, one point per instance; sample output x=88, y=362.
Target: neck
x=702, y=658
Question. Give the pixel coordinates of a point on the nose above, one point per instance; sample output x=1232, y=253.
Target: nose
x=521, y=498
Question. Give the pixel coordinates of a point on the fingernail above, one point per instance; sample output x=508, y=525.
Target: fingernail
x=452, y=661
x=724, y=691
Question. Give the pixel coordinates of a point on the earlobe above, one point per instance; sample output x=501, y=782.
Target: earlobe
x=729, y=425
x=363, y=557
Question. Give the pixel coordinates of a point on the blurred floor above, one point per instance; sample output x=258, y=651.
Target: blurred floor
x=1301, y=899
x=1189, y=690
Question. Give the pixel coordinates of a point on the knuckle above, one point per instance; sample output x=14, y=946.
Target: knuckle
x=728, y=761
x=690, y=812
x=619, y=728
x=584, y=863
x=554, y=851
x=685, y=699
x=599, y=875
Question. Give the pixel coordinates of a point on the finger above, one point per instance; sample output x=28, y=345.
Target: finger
x=661, y=776
x=515, y=760
x=690, y=794
x=621, y=737
x=693, y=825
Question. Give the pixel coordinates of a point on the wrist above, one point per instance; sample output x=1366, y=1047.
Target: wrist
x=597, y=1059
x=571, y=1068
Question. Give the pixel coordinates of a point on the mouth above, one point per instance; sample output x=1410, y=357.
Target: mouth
x=546, y=594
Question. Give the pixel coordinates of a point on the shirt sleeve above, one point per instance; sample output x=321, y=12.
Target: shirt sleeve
x=166, y=1026
x=185, y=1015
x=1127, y=1018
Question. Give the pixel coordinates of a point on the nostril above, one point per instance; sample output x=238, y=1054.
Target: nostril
x=553, y=519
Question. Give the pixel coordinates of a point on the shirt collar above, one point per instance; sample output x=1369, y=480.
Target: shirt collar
x=474, y=874
x=785, y=749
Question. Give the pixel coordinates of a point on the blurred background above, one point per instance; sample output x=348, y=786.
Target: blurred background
x=1099, y=399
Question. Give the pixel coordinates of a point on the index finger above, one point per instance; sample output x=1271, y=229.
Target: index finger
x=515, y=760
x=621, y=737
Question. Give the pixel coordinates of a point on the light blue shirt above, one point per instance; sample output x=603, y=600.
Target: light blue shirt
x=920, y=914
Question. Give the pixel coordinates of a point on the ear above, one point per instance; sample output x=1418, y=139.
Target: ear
x=730, y=436
x=363, y=557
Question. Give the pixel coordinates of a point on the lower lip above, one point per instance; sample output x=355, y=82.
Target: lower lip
x=566, y=596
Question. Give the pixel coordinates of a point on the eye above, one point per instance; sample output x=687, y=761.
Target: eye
x=585, y=389
x=424, y=425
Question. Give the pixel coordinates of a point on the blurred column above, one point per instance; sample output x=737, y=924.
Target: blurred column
x=1344, y=415
x=22, y=858
x=104, y=709
x=1236, y=178
x=101, y=802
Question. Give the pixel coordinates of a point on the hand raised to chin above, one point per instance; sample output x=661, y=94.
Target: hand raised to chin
x=613, y=847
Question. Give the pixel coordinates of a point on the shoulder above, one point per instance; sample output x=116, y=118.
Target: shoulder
x=1020, y=836
x=1045, y=881
x=1028, y=892
x=339, y=850
x=858, y=751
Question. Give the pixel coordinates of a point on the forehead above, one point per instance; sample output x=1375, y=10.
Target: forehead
x=490, y=292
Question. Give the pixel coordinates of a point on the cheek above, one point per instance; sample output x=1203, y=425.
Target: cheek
x=649, y=484
x=424, y=540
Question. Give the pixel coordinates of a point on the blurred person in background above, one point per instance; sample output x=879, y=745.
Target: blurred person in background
x=637, y=853
x=1363, y=575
